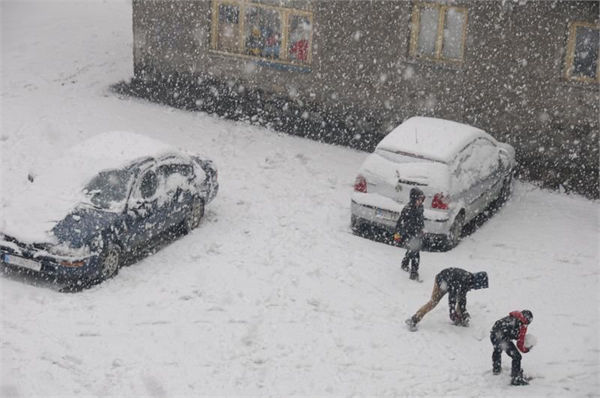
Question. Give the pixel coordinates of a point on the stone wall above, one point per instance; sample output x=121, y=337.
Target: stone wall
x=363, y=81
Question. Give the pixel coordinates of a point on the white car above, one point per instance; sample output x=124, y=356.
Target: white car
x=460, y=168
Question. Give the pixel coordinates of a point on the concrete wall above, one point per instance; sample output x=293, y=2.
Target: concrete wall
x=511, y=82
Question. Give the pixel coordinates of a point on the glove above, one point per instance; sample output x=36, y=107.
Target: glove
x=397, y=237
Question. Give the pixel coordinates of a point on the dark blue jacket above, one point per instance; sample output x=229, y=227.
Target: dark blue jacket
x=411, y=221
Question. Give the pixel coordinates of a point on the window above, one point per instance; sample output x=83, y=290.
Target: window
x=227, y=37
x=259, y=31
x=185, y=170
x=582, y=53
x=299, y=38
x=475, y=163
x=148, y=185
x=487, y=158
x=438, y=32
x=174, y=176
x=109, y=189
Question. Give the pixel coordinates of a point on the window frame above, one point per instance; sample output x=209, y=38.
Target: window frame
x=439, y=40
x=570, y=55
x=285, y=15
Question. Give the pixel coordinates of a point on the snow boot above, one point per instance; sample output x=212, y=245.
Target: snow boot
x=496, y=369
x=412, y=324
x=519, y=380
x=464, y=322
x=414, y=276
x=405, y=264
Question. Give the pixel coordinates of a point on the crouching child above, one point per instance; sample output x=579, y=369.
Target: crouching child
x=511, y=327
x=456, y=282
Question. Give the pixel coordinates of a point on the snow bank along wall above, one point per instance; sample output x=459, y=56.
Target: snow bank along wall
x=349, y=71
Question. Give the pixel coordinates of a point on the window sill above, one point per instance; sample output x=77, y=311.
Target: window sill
x=264, y=62
x=584, y=85
x=446, y=65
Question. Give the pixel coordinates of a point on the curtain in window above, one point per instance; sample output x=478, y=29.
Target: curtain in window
x=428, y=31
x=585, y=57
x=453, y=32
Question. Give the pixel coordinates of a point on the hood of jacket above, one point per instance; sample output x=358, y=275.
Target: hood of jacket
x=519, y=316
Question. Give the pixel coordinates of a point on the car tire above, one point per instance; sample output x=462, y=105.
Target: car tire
x=454, y=235
x=354, y=223
x=110, y=261
x=194, y=216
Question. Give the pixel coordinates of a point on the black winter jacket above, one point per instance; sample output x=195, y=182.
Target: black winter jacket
x=411, y=221
x=511, y=327
x=457, y=282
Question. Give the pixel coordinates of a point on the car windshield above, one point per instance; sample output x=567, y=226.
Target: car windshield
x=108, y=190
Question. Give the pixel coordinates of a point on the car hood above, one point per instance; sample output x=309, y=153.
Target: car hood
x=30, y=214
x=82, y=225
x=37, y=215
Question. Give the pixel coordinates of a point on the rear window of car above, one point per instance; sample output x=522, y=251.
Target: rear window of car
x=391, y=166
x=185, y=170
x=402, y=157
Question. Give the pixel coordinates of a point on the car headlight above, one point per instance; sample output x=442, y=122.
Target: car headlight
x=68, y=252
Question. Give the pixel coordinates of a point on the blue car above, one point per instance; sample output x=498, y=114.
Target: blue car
x=104, y=200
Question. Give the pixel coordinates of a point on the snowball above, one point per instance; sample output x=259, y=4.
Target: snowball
x=530, y=341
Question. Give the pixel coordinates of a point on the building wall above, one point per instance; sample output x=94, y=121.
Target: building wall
x=511, y=82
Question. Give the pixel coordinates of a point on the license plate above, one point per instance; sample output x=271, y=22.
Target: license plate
x=386, y=215
x=22, y=262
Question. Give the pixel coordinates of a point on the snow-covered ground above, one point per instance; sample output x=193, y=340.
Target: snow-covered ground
x=272, y=295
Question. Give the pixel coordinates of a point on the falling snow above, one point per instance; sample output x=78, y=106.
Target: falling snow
x=273, y=295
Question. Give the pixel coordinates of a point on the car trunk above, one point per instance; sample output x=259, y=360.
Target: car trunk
x=393, y=175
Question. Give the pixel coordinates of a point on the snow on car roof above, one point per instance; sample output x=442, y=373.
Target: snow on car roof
x=33, y=211
x=114, y=149
x=105, y=151
x=431, y=138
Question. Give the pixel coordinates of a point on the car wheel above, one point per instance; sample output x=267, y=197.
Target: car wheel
x=454, y=235
x=194, y=216
x=354, y=223
x=110, y=260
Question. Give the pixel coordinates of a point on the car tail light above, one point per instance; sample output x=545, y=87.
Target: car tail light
x=360, y=185
x=440, y=201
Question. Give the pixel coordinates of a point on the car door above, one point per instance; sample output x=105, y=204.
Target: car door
x=174, y=176
x=489, y=176
x=466, y=181
x=143, y=212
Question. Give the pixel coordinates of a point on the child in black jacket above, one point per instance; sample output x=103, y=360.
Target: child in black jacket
x=457, y=283
x=511, y=327
x=409, y=231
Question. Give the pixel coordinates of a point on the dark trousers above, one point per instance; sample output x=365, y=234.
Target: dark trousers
x=510, y=349
x=414, y=258
x=413, y=254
